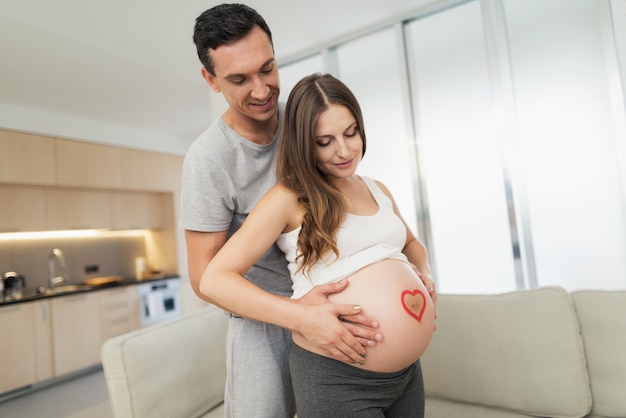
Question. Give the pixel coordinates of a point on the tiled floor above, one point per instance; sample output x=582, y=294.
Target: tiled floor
x=83, y=397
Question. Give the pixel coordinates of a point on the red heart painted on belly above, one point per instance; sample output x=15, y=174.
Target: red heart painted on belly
x=414, y=303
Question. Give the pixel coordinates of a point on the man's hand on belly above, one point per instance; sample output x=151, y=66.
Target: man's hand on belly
x=339, y=329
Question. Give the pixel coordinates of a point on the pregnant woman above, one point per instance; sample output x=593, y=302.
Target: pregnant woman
x=333, y=224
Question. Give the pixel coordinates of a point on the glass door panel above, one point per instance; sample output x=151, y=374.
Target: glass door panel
x=371, y=67
x=570, y=112
x=293, y=72
x=459, y=153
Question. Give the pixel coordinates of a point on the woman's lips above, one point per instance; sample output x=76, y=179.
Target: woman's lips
x=344, y=164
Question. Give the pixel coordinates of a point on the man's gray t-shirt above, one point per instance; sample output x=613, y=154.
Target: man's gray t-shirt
x=224, y=176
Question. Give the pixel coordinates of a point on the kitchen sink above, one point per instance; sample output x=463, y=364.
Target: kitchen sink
x=68, y=288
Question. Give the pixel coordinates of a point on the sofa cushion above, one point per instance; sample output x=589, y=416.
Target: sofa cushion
x=449, y=409
x=217, y=412
x=602, y=317
x=519, y=351
x=173, y=369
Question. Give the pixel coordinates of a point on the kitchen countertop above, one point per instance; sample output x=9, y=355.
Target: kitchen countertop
x=33, y=295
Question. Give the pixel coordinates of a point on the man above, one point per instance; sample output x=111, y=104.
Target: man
x=226, y=170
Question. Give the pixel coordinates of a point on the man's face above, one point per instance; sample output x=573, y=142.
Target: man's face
x=247, y=75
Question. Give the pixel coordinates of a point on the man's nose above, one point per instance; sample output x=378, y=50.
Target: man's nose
x=260, y=90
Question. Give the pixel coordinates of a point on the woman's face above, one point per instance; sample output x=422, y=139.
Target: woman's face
x=338, y=143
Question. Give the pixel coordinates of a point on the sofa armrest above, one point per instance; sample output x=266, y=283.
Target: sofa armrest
x=172, y=369
x=602, y=317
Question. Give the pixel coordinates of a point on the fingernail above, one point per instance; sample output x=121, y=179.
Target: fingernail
x=362, y=354
x=357, y=307
x=361, y=362
x=353, y=362
x=378, y=337
x=374, y=324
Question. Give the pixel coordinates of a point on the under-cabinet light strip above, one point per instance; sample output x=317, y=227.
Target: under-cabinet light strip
x=74, y=233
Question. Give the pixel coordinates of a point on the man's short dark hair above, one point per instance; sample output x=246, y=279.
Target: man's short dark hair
x=222, y=25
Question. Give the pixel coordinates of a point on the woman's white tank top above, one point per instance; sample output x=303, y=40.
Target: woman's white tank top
x=361, y=240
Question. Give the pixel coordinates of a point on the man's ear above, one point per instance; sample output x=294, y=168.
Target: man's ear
x=210, y=80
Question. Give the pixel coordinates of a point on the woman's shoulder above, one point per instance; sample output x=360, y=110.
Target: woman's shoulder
x=282, y=191
x=285, y=201
x=278, y=196
x=282, y=197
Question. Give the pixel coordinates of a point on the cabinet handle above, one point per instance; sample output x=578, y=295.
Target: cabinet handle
x=118, y=320
x=117, y=305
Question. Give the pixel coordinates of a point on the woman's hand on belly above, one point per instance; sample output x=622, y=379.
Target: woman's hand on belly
x=344, y=340
x=428, y=281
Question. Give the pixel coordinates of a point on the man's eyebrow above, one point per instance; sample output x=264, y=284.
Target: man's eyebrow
x=236, y=75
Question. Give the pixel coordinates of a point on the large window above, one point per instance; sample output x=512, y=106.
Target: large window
x=500, y=128
x=460, y=153
x=569, y=110
x=377, y=84
x=292, y=73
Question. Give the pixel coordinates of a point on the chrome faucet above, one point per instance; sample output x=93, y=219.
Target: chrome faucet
x=53, y=279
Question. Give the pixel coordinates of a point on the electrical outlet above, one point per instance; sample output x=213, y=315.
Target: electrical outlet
x=92, y=268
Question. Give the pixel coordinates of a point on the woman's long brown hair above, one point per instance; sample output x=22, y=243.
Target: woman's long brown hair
x=324, y=205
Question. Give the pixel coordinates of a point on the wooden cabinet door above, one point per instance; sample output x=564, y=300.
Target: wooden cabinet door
x=119, y=311
x=151, y=171
x=75, y=332
x=43, y=340
x=134, y=210
x=77, y=209
x=83, y=164
x=26, y=159
x=17, y=346
x=22, y=208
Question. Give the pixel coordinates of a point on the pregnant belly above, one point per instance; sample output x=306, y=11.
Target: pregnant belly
x=391, y=292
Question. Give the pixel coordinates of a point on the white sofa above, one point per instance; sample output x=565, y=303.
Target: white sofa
x=175, y=369
x=534, y=353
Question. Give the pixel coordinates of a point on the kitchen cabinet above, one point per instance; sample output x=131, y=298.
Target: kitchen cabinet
x=75, y=332
x=25, y=345
x=77, y=209
x=151, y=171
x=119, y=311
x=84, y=164
x=26, y=159
x=22, y=208
x=43, y=340
x=42, y=160
x=134, y=210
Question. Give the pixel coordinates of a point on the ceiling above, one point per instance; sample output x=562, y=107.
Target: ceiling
x=126, y=71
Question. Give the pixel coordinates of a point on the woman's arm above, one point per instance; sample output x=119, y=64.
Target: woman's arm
x=414, y=250
x=223, y=282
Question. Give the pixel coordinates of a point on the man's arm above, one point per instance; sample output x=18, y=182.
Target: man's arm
x=201, y=248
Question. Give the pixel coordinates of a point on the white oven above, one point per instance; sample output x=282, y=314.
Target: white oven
x=158, y=301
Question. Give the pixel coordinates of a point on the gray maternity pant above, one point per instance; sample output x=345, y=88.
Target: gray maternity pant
x=327, y=388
